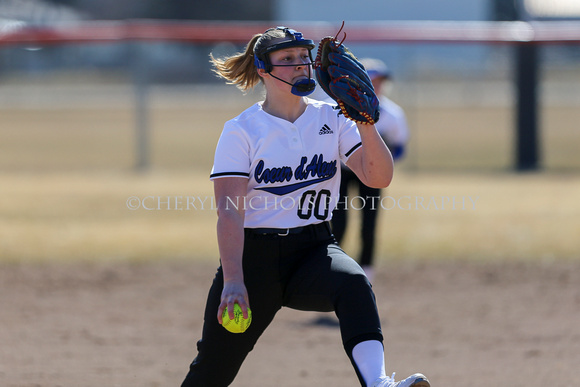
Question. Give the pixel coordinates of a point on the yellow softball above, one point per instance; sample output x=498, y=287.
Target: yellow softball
x=239, y=324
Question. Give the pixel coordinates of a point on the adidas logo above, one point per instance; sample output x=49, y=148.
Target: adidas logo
x=325, y=130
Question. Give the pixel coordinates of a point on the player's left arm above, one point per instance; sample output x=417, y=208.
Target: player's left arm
x=372, y=162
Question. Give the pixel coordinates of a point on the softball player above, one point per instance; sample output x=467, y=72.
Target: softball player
x=394, y=130
x=276, y=177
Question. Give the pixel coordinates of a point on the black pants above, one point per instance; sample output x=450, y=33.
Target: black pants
x=369, y=214
x=305, y=271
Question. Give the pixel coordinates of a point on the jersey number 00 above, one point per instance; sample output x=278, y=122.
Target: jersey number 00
x=315, y=204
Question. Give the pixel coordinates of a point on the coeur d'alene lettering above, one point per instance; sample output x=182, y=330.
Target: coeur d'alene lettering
x=317, y=170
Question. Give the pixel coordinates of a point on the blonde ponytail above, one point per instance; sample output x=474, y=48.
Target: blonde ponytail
x=238, y=69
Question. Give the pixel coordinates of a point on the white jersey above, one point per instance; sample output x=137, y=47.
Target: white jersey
x=392, y=124
x=293, y=169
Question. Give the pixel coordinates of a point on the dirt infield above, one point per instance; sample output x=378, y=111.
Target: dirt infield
x=135, y=324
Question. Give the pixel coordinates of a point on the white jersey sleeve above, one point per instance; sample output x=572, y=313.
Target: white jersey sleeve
x=232, y=156
x=349, y=140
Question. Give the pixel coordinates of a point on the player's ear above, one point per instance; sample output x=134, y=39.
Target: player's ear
x=262, y=72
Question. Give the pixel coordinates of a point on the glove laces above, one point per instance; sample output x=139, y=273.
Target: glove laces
x=344, y=36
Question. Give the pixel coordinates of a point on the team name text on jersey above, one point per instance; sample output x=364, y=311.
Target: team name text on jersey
x=316, y=168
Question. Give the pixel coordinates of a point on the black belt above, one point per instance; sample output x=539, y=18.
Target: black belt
x=318, y=227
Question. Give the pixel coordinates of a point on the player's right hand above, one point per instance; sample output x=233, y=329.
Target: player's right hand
x=234, y=292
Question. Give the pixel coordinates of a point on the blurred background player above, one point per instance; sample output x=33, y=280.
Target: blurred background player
x=392, y=127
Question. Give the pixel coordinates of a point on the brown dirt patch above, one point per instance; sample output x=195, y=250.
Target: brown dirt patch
x=136, y=324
